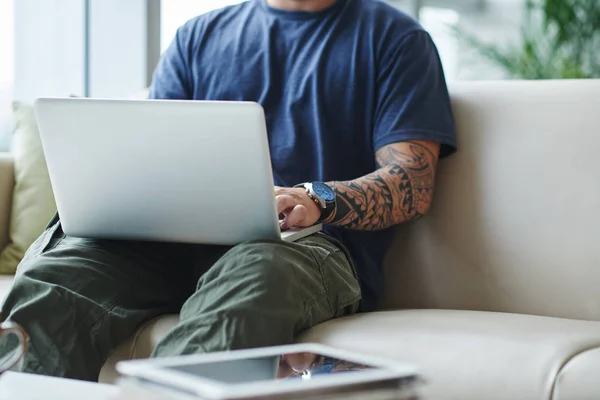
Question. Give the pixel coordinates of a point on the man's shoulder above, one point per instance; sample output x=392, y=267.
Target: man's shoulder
x=384, y=12
x=391, y=22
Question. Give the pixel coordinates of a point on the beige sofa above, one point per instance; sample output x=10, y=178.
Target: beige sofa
x=496, y=293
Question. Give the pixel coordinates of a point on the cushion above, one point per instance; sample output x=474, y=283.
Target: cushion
x=514, y=224
x=33, y=200
x=477, y=355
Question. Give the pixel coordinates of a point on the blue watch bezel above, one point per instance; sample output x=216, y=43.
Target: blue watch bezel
x=323, y=191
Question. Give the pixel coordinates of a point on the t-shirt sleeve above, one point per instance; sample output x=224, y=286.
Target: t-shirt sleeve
x=171, y=79
x=412, y=100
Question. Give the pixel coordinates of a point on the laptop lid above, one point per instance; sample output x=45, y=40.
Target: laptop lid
x=183, y=171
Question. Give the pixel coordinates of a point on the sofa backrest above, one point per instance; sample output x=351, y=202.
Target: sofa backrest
x=516, y=222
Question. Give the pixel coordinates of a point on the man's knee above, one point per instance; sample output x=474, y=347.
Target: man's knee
x=41, y=306
x=45, y=288
x=37, y=273
x=36, y=286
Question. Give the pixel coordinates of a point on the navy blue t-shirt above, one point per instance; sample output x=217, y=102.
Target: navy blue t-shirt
x=336, y=85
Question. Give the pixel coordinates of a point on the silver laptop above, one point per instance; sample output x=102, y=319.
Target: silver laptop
x=180, y=171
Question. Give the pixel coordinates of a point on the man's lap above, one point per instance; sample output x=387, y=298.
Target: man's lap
x=175, y=270
x=80, y=298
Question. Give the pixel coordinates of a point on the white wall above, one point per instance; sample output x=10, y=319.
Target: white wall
x=121, y=58
x=51, y=58
x=6, y=71
x=177, y=12
x=6, y=42
x=49, y=48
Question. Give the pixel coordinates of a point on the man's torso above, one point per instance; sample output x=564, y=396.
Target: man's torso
x=316, y=76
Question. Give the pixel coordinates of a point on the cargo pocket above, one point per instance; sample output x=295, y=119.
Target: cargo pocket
x=48, y=240
x=342, y=287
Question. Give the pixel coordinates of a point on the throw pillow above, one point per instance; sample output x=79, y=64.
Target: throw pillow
x=33, y=200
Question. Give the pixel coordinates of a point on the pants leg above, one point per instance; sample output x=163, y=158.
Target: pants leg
x=263, y=293
x=78, y=299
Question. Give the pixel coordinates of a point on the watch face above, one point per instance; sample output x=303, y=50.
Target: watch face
x=323, y=191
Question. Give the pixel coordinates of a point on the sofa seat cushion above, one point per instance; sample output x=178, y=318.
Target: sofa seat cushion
x=477, y=355
x=140, y=345
x=462, y=354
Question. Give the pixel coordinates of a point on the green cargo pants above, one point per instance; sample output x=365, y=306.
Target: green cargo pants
x=78, y=298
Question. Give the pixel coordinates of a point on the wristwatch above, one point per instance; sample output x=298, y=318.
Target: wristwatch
x=321, y=194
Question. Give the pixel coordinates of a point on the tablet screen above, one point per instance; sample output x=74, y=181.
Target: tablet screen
x=302, y=366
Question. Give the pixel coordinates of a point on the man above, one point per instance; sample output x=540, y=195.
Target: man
x=355, y=101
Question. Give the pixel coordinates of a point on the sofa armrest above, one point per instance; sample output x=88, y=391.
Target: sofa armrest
x=7, y=183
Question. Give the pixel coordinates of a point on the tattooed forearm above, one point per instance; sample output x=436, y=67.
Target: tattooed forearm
x=400, y=190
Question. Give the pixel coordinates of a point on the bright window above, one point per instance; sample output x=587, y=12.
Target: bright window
x=438, y=22
x=6, y=42
x=6, y=71
x=175, y=13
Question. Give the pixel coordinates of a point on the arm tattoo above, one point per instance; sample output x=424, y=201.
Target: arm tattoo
x=400, y=190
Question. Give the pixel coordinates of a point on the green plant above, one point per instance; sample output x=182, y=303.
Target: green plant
x=560, y=39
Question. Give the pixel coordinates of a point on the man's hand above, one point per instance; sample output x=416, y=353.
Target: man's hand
x=295, y=208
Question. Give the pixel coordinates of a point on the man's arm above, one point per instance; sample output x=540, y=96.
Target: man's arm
x=172, y=78
x=400, y=190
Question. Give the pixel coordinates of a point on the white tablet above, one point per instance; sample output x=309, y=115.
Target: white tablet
x=303, y=369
